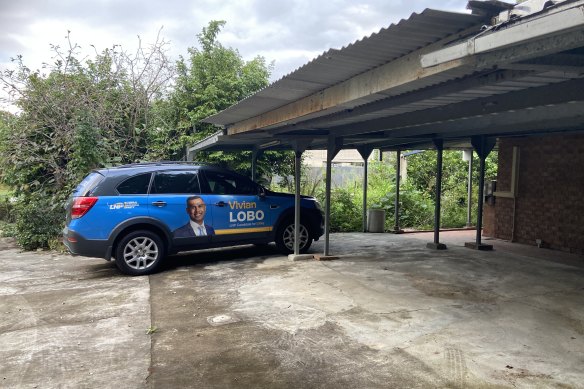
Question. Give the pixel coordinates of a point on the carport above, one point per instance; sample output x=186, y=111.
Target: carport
x=438, y=80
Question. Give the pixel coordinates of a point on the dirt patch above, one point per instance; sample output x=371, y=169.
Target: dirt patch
x=518, y=376
x=440, y=289
x=7, y=244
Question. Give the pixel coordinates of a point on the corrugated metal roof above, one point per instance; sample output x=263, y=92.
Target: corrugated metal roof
x=495, y=95
x=335, y=66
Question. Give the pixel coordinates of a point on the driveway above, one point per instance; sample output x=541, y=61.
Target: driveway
x=387, y=313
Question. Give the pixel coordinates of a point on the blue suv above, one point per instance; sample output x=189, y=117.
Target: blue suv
x=140, y=213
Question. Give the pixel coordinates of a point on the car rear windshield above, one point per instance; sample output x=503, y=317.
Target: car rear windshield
x=88, y=184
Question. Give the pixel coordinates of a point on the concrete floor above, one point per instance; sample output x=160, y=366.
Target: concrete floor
x=388, y=313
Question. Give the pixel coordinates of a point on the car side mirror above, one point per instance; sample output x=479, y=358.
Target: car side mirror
x=261, y=191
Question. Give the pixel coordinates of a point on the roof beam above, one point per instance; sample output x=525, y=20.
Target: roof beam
x=376, y=81
x=455, y=86
x=568, y=63
x=572, y=90
x=549, y=116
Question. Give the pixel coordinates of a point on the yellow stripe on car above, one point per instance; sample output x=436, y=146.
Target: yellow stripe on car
x=243, y=230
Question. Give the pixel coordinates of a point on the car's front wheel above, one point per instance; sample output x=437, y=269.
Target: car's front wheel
x=285, y=237
x=139, y=253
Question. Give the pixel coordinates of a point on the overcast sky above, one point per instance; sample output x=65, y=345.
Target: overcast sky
x=288, y=32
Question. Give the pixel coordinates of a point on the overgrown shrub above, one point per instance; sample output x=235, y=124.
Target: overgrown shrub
x=416, y=208
x=7, y=214
x=345, y=211
x=7, y=229
x=38, y=222
x=454, y=209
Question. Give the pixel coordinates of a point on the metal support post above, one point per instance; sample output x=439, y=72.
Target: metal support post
x=480, y=200
x=365, y=152
x=297, y=162
x=299, y=148
x=365, y=186
x=396, y=227
x=439, y=143
x=255, y=154
x=483, y=147
x=469, y=194
x=333, y=148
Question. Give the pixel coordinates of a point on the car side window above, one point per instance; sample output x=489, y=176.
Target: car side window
x=135, y=185
x=176, y=182
x=225, y=183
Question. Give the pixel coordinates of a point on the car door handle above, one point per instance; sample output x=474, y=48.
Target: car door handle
x=220, y=204
x=274, y=206
x=159, y=203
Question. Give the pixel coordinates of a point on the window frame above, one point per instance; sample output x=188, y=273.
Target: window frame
x=196, y=172
x=136, y=194
x=206, y=189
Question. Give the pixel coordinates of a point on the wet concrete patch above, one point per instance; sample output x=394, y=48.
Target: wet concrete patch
x=445, y=290
x=62, y=327
x=222, y=319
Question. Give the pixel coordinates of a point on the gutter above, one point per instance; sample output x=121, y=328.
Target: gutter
x=548, y=22
x=205, y=143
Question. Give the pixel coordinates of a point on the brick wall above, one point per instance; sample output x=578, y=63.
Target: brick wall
x=550, y=199
x=489, y=220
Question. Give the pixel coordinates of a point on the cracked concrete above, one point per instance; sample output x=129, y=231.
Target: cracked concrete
x=387, y=313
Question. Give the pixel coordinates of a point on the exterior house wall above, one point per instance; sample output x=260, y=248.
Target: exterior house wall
x=317, y=158
x=549, y=203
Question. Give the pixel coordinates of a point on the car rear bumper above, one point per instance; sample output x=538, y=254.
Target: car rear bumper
x=318, y=220
x=78, y=245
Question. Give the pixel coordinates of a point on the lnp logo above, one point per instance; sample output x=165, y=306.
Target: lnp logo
x=124, y=205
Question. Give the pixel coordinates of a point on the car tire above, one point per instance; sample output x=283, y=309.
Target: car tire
x=139, y=253
x=285, y=237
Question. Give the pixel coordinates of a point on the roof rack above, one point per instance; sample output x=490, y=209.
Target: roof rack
x=161, y=163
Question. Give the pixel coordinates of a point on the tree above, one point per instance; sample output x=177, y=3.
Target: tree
x=77, y=116
x=211, y=79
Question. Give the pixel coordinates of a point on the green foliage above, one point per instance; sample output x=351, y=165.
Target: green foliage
x=417, y=192
x=422, y=170
x=269, y=163
x=345, y=214
x=380, y=182
x=76, y=117
x=416, y=209
x=422, y=177
x=209, y=80
x=7, y=229
x=38, y=222
x=7, y=213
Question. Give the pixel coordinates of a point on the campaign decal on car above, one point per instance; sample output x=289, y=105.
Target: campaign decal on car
x=245, y=217
x=196, y=226
x=124, y=205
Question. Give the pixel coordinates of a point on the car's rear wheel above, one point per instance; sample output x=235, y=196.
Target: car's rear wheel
x=139, y=253
x=285, y=237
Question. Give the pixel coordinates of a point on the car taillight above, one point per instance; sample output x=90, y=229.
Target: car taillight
x=82, y=205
